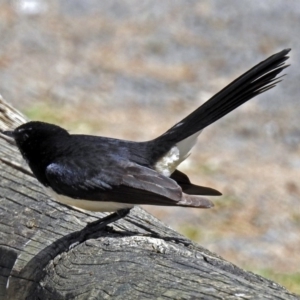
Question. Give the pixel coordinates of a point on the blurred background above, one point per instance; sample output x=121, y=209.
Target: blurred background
x=132, y=69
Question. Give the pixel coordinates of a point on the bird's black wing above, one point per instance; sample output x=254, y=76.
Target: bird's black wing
x=124, y=182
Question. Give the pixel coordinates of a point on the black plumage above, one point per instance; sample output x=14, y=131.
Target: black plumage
x=97, y=170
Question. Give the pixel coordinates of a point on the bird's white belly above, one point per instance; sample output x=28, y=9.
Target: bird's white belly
x=100, y=206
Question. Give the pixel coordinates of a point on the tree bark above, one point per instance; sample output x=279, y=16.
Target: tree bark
x=46, y=252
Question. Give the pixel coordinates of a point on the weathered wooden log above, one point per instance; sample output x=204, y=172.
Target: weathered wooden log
x=47, y=252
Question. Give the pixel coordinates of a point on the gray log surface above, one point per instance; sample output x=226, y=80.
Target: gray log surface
x=47, y=253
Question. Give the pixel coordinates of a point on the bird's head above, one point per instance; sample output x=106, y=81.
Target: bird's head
x=34, y=137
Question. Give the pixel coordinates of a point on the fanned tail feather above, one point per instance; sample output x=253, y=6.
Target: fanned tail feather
x=257, y=80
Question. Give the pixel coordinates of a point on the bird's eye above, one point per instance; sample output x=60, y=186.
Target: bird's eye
x=24, y=130
x=22, y=134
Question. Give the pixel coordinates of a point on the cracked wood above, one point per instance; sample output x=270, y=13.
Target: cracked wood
x=46, y=252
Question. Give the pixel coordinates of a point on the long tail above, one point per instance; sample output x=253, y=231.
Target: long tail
x=257, y=80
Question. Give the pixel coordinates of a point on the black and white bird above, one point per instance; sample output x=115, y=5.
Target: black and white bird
x=104, y=174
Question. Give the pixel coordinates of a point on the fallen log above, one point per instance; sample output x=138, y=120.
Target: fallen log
x=47, y=252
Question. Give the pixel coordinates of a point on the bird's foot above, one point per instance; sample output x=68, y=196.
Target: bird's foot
x=120, y=214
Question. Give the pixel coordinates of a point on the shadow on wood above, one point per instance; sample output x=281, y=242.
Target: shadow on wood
x=47, y=252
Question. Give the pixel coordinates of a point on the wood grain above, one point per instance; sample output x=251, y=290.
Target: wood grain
x=47, y=252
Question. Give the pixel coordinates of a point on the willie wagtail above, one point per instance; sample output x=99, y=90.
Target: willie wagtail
x=105, y=174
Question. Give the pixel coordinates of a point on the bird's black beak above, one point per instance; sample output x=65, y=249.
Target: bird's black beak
x=8, y=133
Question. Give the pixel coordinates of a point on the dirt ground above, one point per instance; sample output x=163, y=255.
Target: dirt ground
x=131, y=69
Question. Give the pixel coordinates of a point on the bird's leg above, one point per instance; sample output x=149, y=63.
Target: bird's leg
x=93, y=227
x=119, y=214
